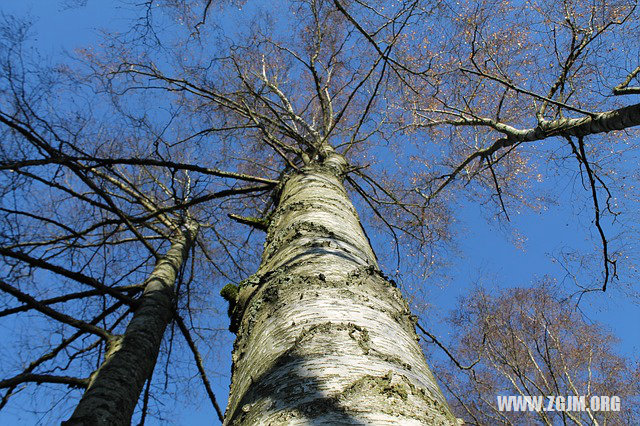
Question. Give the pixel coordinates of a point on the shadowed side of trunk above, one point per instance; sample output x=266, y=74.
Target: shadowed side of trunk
x=115, y=387
x=322, y=335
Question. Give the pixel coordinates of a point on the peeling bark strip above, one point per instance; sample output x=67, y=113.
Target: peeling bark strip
x=115, y=387
x=323, y=337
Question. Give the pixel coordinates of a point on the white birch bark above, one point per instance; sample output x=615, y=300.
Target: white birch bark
x=603, y=122
x=323, y=338
x=114, y=388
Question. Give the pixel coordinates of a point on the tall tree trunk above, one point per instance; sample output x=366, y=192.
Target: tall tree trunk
x=322, y=336
x=115, y=387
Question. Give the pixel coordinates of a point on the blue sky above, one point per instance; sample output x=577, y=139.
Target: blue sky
x=485, y=253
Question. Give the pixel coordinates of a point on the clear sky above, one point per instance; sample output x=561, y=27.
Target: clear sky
x=57, y=28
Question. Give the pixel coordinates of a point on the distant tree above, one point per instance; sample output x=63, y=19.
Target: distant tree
x=526, y=342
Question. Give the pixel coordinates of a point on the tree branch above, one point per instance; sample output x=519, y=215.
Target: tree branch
x=624, y=89
x=76, y=276
x=52, y=313
x=199, y=364
x=73, y=382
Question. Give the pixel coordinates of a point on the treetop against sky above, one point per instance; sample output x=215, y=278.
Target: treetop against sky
x=486, y=142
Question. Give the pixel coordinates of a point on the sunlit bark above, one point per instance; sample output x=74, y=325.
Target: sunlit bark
x=322, y=336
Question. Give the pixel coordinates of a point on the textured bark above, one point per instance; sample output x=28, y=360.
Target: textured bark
x=617, y=119
x=322, y=336
x=115, y=387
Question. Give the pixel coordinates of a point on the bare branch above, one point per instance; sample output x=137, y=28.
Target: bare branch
x=58, y=316
x=199, y=364
x=624, y=89
x=76, y=276
x=73, y=382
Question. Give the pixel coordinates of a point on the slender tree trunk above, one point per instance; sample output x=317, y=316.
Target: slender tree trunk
x=322, y=336
x=114, y=388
